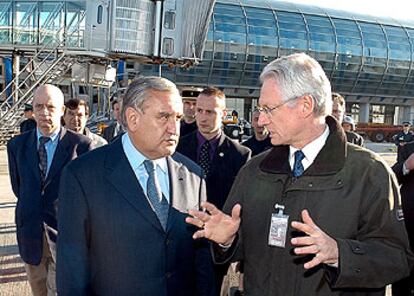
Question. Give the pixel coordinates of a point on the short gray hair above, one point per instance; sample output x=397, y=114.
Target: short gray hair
x=140, y=90
x=298, y=75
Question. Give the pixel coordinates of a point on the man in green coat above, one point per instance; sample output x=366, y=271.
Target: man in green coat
x=314, y=215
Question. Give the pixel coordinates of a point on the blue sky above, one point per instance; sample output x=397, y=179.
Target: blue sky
x=400, y=9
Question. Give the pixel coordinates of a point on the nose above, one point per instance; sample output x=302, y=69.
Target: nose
x=263, y=119
x=173, y=127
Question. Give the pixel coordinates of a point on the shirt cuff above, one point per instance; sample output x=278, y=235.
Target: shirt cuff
x=405, y=170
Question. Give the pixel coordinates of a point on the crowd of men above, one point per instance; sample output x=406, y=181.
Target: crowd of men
x=153, y=213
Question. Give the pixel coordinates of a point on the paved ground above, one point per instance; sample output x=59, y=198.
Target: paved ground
x=13, y=279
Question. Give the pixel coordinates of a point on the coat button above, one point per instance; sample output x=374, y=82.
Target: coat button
x=310, y=185
x=357, y=270
x=167, y=242
x=339, y=182
x=168, y=275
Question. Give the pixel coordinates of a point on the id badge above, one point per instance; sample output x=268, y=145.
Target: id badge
x=278, y=228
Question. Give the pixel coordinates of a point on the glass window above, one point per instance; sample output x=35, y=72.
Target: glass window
x=25, y=23
x=99, y=14
x=169, y=21
x=6, y=22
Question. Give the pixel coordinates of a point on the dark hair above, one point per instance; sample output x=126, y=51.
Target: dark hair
x=73, y=104
x=213, y=91
x=114, y=102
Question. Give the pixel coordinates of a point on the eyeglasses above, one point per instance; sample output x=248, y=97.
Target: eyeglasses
x=268, y=110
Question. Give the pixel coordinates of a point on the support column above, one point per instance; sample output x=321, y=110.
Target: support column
x=364, y=112
x=16, y=72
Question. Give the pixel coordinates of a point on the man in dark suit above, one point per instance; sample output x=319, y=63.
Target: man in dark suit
x=36, y=159
x=225, y=156
x=403, y=137
x=220, y=157
x=115, y=129
x=404, y=170
x=123, y=206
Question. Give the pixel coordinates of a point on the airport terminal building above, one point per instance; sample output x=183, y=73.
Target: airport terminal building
x=369, y=60
x=77, y=43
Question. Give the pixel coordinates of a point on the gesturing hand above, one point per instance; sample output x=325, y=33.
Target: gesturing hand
x=316, y=242
x=214, y=224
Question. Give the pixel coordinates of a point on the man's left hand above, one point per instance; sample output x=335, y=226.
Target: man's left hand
x=315, y=242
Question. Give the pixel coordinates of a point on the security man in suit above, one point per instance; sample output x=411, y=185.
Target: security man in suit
x=36, y=159
x=123, y=206
x=219, y=156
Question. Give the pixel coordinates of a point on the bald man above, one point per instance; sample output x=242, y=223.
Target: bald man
x=36, y=160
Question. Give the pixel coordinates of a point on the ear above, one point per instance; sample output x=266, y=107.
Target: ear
x=308, y=104
x=132, y=118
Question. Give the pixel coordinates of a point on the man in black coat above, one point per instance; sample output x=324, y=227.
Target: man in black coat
x=36, y=160
x=403, y=137
x=219, y=156
x=404, y=170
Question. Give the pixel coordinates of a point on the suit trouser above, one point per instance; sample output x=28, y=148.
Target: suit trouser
x=42, y=277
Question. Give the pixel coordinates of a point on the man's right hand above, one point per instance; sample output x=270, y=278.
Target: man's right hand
x=215, y=225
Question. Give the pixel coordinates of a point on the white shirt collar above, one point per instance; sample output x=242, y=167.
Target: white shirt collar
x=311, y=150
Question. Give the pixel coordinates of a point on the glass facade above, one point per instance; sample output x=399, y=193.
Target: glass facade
x=42, y=22
x=361, y=55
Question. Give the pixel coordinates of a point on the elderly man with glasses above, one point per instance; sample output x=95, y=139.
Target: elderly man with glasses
x=314, y=215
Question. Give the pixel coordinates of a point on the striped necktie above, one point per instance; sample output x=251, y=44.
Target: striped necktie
x=158, y=201
x=43, y=157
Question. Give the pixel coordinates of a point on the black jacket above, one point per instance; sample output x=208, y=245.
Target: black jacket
x=228, y=158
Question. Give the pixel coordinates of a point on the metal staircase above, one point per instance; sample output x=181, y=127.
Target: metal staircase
x=48, y=64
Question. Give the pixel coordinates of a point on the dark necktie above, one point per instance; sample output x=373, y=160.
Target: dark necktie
x=158, y=201
x=298, y=166
x=43, y=158
x=204, y=158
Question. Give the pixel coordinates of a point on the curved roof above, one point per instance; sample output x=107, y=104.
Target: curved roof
x=315, y=10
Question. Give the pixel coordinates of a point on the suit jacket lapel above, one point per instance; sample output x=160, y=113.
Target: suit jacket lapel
x=60, y=156
x=31, y=155
x=180, y=199
x=122, y=177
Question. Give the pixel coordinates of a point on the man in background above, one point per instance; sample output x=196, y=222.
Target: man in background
x=348, y=124
x=260, y=140
x=188, y=123
x=36, y=160
x=403, y=137
x=115, y=129
x=29, y=123
x=219, y=156
x=76, y=116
